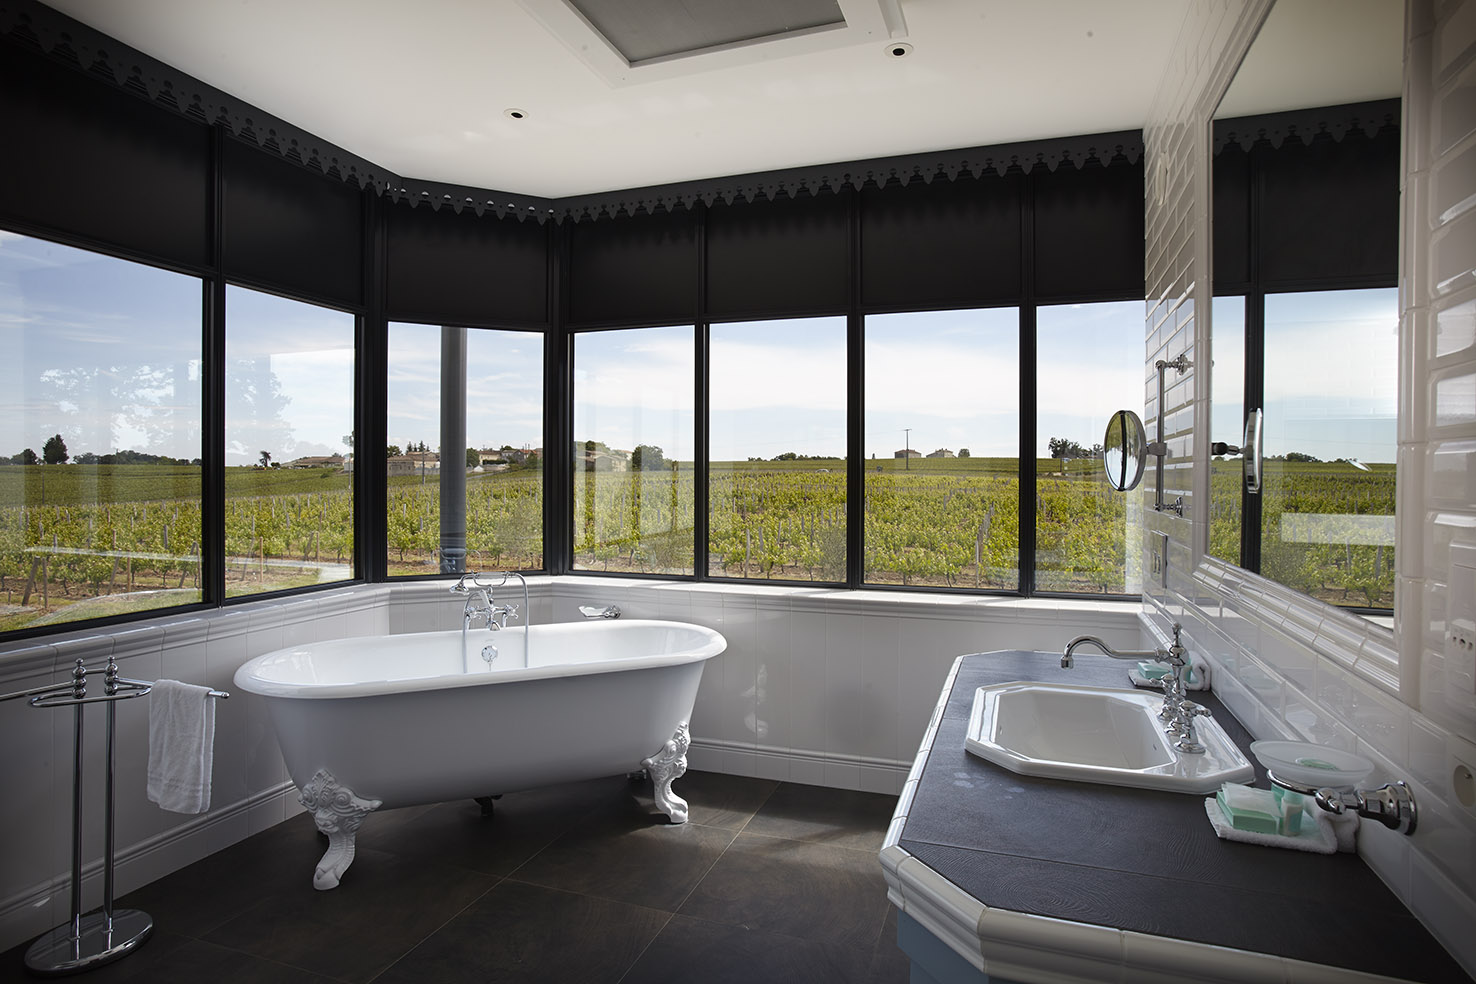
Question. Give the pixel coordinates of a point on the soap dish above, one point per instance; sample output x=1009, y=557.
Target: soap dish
x=1313, y=766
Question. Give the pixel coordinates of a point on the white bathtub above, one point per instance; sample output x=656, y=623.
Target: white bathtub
x=398, y=720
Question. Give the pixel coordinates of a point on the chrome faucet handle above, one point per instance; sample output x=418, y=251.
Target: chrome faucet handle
x=460, y=586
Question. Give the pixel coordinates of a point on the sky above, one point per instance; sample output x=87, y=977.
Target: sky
x=1331, y=374
x=106, y=352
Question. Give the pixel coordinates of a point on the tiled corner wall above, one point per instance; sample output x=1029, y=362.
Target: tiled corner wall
x=816, y=686
x=1288, y=666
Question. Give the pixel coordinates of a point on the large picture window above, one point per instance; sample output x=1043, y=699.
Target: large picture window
x=632, y=459
x=99, y=435
x=777, y=450
x=942, y=440
x=501, y=460
x=1088, y=360
x=289, y=425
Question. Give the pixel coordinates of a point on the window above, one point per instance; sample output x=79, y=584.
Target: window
x=100, y=427
x=1327, y=499
x=942, y=441
x=1325, y=516
x=1227, y=424
x=1088, y=365
x=777, y=450
x=502, y=458
x=288, y=433
x=632, y=459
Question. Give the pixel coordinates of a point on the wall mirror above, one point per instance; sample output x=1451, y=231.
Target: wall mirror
x=1124, y=448
x=1304, y=324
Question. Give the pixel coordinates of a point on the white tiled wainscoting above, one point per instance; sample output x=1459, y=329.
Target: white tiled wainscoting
x=816, y=686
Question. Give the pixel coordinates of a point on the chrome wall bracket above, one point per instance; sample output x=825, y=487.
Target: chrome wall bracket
x=1392, y=804
x=1159, y=448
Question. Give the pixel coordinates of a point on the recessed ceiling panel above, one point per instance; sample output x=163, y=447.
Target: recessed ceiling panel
x=643, y=30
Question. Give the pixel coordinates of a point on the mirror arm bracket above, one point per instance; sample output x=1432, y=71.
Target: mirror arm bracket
x=1159, y=448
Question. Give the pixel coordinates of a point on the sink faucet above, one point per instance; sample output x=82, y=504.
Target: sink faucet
x=1178, y=712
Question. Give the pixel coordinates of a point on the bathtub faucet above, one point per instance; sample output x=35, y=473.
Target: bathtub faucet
x=479, y=604
x=1178, y=712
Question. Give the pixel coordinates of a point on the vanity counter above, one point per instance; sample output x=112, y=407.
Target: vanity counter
x=1024, y=878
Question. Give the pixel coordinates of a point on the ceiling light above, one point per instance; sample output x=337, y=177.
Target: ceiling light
x=899, y=49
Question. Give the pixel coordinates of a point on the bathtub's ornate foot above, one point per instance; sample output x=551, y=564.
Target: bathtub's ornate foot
x=668, y=764
x=338, y=813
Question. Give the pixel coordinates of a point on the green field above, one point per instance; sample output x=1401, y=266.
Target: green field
x=79, y=541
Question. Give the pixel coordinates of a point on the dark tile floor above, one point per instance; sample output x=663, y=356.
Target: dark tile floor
x=768, y=882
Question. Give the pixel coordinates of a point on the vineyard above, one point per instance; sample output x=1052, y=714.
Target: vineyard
x=1331, y=560
x=93, y=540
x=941, y=522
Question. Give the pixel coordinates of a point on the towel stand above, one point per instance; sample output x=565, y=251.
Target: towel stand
x=106, y=935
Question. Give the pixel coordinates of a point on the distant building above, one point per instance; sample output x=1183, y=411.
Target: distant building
x=317, y=461
x=907, y=453
x=414, y=463
x=942, y=453
x=611, y=461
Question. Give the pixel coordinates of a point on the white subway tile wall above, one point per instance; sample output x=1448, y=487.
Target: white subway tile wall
x=1287, y=665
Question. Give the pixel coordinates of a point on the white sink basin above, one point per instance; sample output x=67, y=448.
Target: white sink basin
x=1097, y=734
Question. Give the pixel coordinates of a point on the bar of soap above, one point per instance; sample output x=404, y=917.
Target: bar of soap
x=1253, y=810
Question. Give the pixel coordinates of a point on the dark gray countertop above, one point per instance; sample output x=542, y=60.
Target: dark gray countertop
x=1144, y=860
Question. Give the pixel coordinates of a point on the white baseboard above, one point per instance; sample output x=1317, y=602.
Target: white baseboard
x=37, y=909
x=800, y=765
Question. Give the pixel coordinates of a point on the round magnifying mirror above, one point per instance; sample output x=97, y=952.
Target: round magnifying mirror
x=1124, y=449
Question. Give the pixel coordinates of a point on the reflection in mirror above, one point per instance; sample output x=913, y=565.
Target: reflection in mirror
x=1251, y=451
x=1305, y=245
x=1124, y=448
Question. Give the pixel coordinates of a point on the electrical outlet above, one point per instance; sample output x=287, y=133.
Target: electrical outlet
x=1160, y=553
x=1462, y=766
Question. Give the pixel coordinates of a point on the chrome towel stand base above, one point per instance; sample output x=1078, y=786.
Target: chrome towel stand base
x=100, y=938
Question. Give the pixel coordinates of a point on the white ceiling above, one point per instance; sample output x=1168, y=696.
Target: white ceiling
x=422, y=88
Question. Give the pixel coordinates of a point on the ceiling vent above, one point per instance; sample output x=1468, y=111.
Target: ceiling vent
x=627, y=42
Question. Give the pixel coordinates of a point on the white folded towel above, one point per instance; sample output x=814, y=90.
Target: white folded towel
x=181, y=746
x=1321, y=833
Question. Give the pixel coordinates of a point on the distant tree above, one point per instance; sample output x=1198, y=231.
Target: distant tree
x=786, y=456
x=392, y=451
x=85, y=458
x=348, y=440
x=26, y=457
x=266, y=459
x=1300, y=456
x=54, y=451
x=1061, y=447
x=963, y=452
x=473, y=458
x=647, y=457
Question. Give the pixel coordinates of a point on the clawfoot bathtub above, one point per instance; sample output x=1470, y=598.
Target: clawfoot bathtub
x=427, y=717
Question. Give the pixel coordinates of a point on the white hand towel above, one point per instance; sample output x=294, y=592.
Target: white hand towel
x=1321, y=833
x=181, y=746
